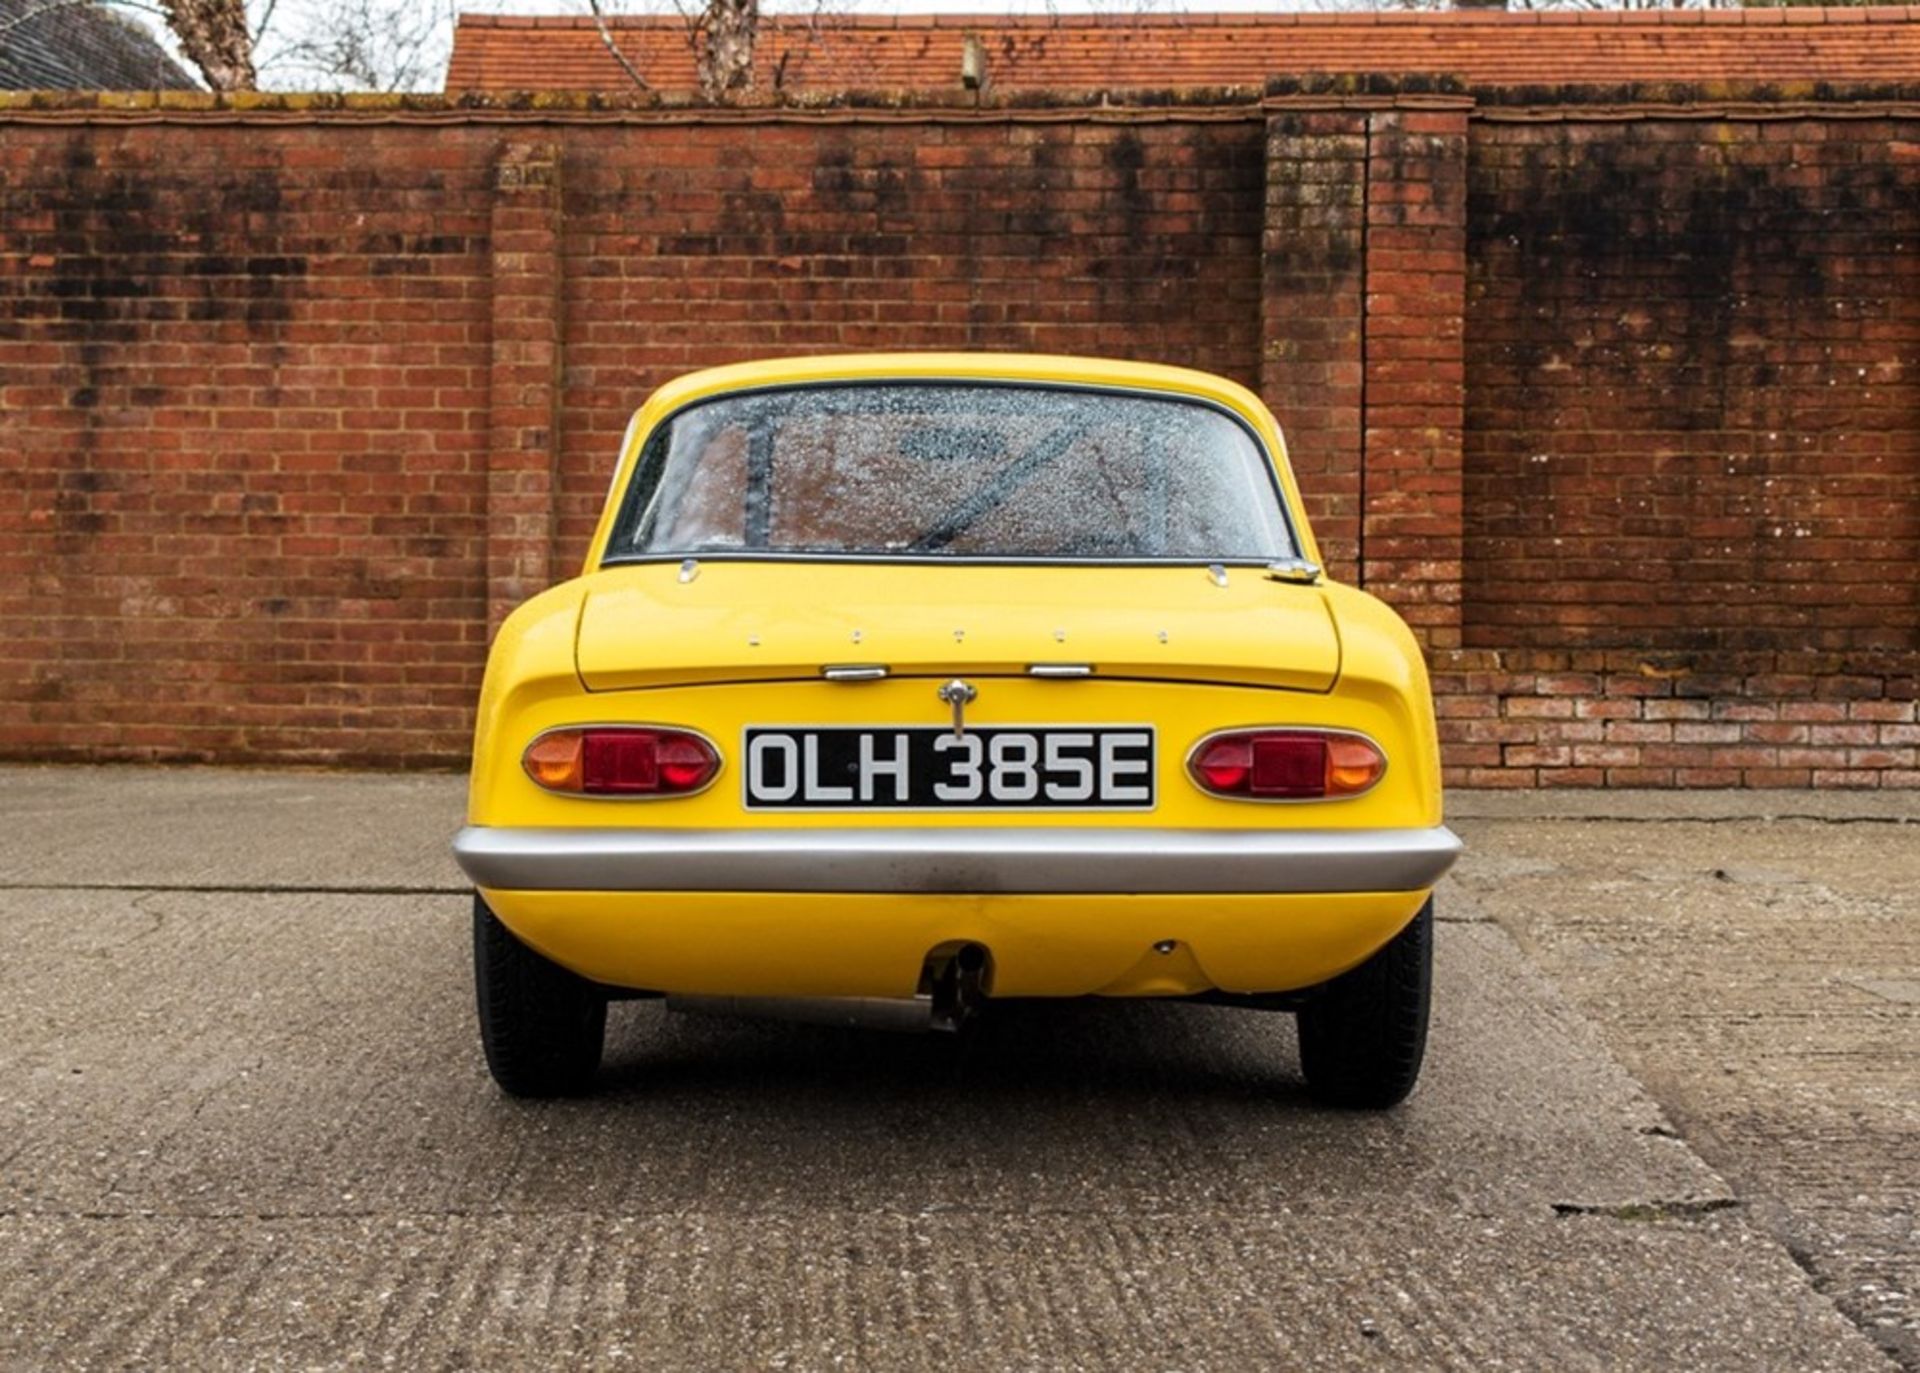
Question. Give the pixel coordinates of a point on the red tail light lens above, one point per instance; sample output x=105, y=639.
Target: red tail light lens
x=1286, y=764
x=613, y=761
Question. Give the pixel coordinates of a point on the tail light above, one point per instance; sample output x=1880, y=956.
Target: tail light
x=607, y=760
x=1286, y=764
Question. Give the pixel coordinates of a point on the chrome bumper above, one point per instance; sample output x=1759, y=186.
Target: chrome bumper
x=957, y=860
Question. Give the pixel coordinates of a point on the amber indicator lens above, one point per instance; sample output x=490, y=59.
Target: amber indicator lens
x=1353, y=765
x=611, y=761
x=1287, y=765
x=553, y=760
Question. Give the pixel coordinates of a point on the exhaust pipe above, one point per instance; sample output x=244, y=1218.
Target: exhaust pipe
x=953, y=986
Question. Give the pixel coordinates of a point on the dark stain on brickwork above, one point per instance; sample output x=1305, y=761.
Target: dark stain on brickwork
x=130, y=246
x=1674, y=332
x=1126, y=155
x=1315, y=195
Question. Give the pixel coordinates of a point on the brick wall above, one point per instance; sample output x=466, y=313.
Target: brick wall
x=691, y=246
x=1693, y=452
x=244, y=426
x=1612, y=400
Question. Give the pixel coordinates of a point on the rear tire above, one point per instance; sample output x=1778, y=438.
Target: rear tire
x=542, y=1026
x=1364, y=1034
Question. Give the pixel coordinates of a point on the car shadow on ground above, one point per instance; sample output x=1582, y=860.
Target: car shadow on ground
x=1086, y=1049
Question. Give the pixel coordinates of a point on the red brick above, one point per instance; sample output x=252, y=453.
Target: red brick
x=1676, y=709
x=1880, y=759
x=1891, y=712
x=1813, y=710
x=1531, y=756
x=1639, y=777
x=1638, y=732
x=1708, y=777
x=1638, y=686
x=1610, y=709
x=1861, y=778
x=1606, y=755
x=1572, y=777
x=1776, y=777
x=1690, y=733
x=1539, y=707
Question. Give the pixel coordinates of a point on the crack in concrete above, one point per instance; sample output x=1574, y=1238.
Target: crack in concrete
x=235, y=888
x=1647, y=1211
x=159, y=918
x=682, y=1213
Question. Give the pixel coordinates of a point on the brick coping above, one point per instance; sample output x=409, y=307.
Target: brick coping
x=1718, y=99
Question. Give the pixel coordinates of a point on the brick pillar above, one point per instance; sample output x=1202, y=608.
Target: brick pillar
x=523, y=387
x=1313, y=250
x=1363, y=303
x=1415, y=369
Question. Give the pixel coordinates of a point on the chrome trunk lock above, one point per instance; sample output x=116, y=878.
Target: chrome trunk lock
x=956, y=694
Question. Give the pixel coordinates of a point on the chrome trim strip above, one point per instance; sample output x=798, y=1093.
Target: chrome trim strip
x=975, y=859
x=1059, y=671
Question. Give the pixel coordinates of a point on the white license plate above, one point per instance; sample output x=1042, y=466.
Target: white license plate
x=923, y=767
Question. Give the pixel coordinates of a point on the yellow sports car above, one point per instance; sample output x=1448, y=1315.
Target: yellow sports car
x=894, y=684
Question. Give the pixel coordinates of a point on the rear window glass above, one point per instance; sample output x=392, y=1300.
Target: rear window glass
x=953, y=471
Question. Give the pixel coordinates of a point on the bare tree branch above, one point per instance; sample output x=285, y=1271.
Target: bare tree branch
x=606, y=37
x=810, y=42
x=27, y=16
x=375, y=45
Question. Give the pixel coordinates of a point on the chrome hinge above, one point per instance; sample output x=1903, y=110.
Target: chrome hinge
x=1299, y=571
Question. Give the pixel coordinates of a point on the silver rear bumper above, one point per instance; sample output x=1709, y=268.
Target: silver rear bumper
x=957, y=860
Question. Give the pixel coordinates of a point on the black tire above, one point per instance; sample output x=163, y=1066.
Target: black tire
x=542, y=1026
x=1364, y=1034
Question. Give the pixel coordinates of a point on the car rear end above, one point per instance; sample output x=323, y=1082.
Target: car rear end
x=737, y=759
x=1091, y=832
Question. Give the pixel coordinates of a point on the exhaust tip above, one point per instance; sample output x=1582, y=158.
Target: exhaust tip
x=957, y=978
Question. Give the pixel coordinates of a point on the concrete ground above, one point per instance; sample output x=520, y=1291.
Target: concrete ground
x=1670, y=1120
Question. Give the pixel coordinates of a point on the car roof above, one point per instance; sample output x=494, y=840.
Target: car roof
x=1058, y=368
x=1020, y=367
